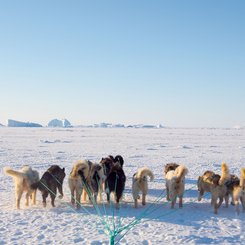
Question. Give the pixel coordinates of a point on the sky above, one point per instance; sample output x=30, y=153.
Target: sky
x=180, y=63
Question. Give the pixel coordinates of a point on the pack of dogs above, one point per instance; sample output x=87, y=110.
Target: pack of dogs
x=89, y=179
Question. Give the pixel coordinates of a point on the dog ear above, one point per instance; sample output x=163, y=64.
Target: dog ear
x=98, y=167
x=63, y=169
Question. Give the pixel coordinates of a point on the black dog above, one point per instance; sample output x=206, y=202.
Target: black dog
x=115, y=182
x=50, y=181
x=108, y=162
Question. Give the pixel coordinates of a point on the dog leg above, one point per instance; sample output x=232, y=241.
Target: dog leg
x=60, y=189
x=78, y=197
x=237, y=207
x=44, y=196
x=242, y=198
x=226, y=201
x=217, y=205
x=220, y=201
x=173, y=202
x=135, y=203
x=27, y=199
x=72, y=196
x=117, y=202
x=18, y=195
x=201, y=193
x=108, y=197
x=53, y=195
x=143, y=199
x=33, y=199
x=167, y=190
x=84, y=195
x=100, y=192
x=94, y=198
x=180, y=201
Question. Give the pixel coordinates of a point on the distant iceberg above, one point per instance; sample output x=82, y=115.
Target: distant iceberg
x=14, y=123
x=64, y=123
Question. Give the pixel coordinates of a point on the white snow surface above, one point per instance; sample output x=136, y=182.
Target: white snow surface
x=195, y=223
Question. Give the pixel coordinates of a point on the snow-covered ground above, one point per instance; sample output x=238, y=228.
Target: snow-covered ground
x=198, y=149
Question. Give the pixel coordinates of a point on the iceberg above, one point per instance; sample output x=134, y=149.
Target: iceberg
x=14, y=123
x=64, y=123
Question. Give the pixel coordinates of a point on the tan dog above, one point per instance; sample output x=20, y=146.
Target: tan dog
x=204, y=183
x=94, y=183
x=140, y=183
x=78, y=179
x=239, y=192
x=23, y=179
x=175, y=185
x=219, y=190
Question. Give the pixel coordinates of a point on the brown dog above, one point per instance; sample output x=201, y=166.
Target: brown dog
x=204, y=183
x=51, y=180
x=239, y=192
x=78, y=179
x=216, y=184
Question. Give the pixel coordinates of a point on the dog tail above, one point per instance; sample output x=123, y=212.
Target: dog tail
x=13, y=173
x=225, y=174
x=143, y=172
x=242, y=180
x=180, y=172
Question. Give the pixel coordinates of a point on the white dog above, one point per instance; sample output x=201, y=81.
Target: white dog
x=140, y=183
x=23, y=179
x=77, y=180
x=239, y=192
x=175, y=184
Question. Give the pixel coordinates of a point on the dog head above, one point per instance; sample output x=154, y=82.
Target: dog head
x=169, y=167
x=215, y=179
x=107, y=163
x=97, y=172
x=119, y=159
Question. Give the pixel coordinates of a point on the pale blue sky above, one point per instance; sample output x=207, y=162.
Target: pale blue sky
x=179, y=63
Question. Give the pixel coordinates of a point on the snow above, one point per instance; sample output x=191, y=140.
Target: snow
x=195, y=223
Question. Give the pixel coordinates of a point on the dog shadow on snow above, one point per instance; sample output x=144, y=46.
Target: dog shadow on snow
x=195, y=215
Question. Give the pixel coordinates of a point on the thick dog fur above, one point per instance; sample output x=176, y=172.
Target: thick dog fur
x=23, y=179
x=169, y=167
x=115, y=182
x=77, y=180
x=51, y=180
x=219, y=190
x=140, y=183
x=239, y=192
x=108, y=162
x=94, y=183
x=204, y=183
x=175, y=184
x=225, y=174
